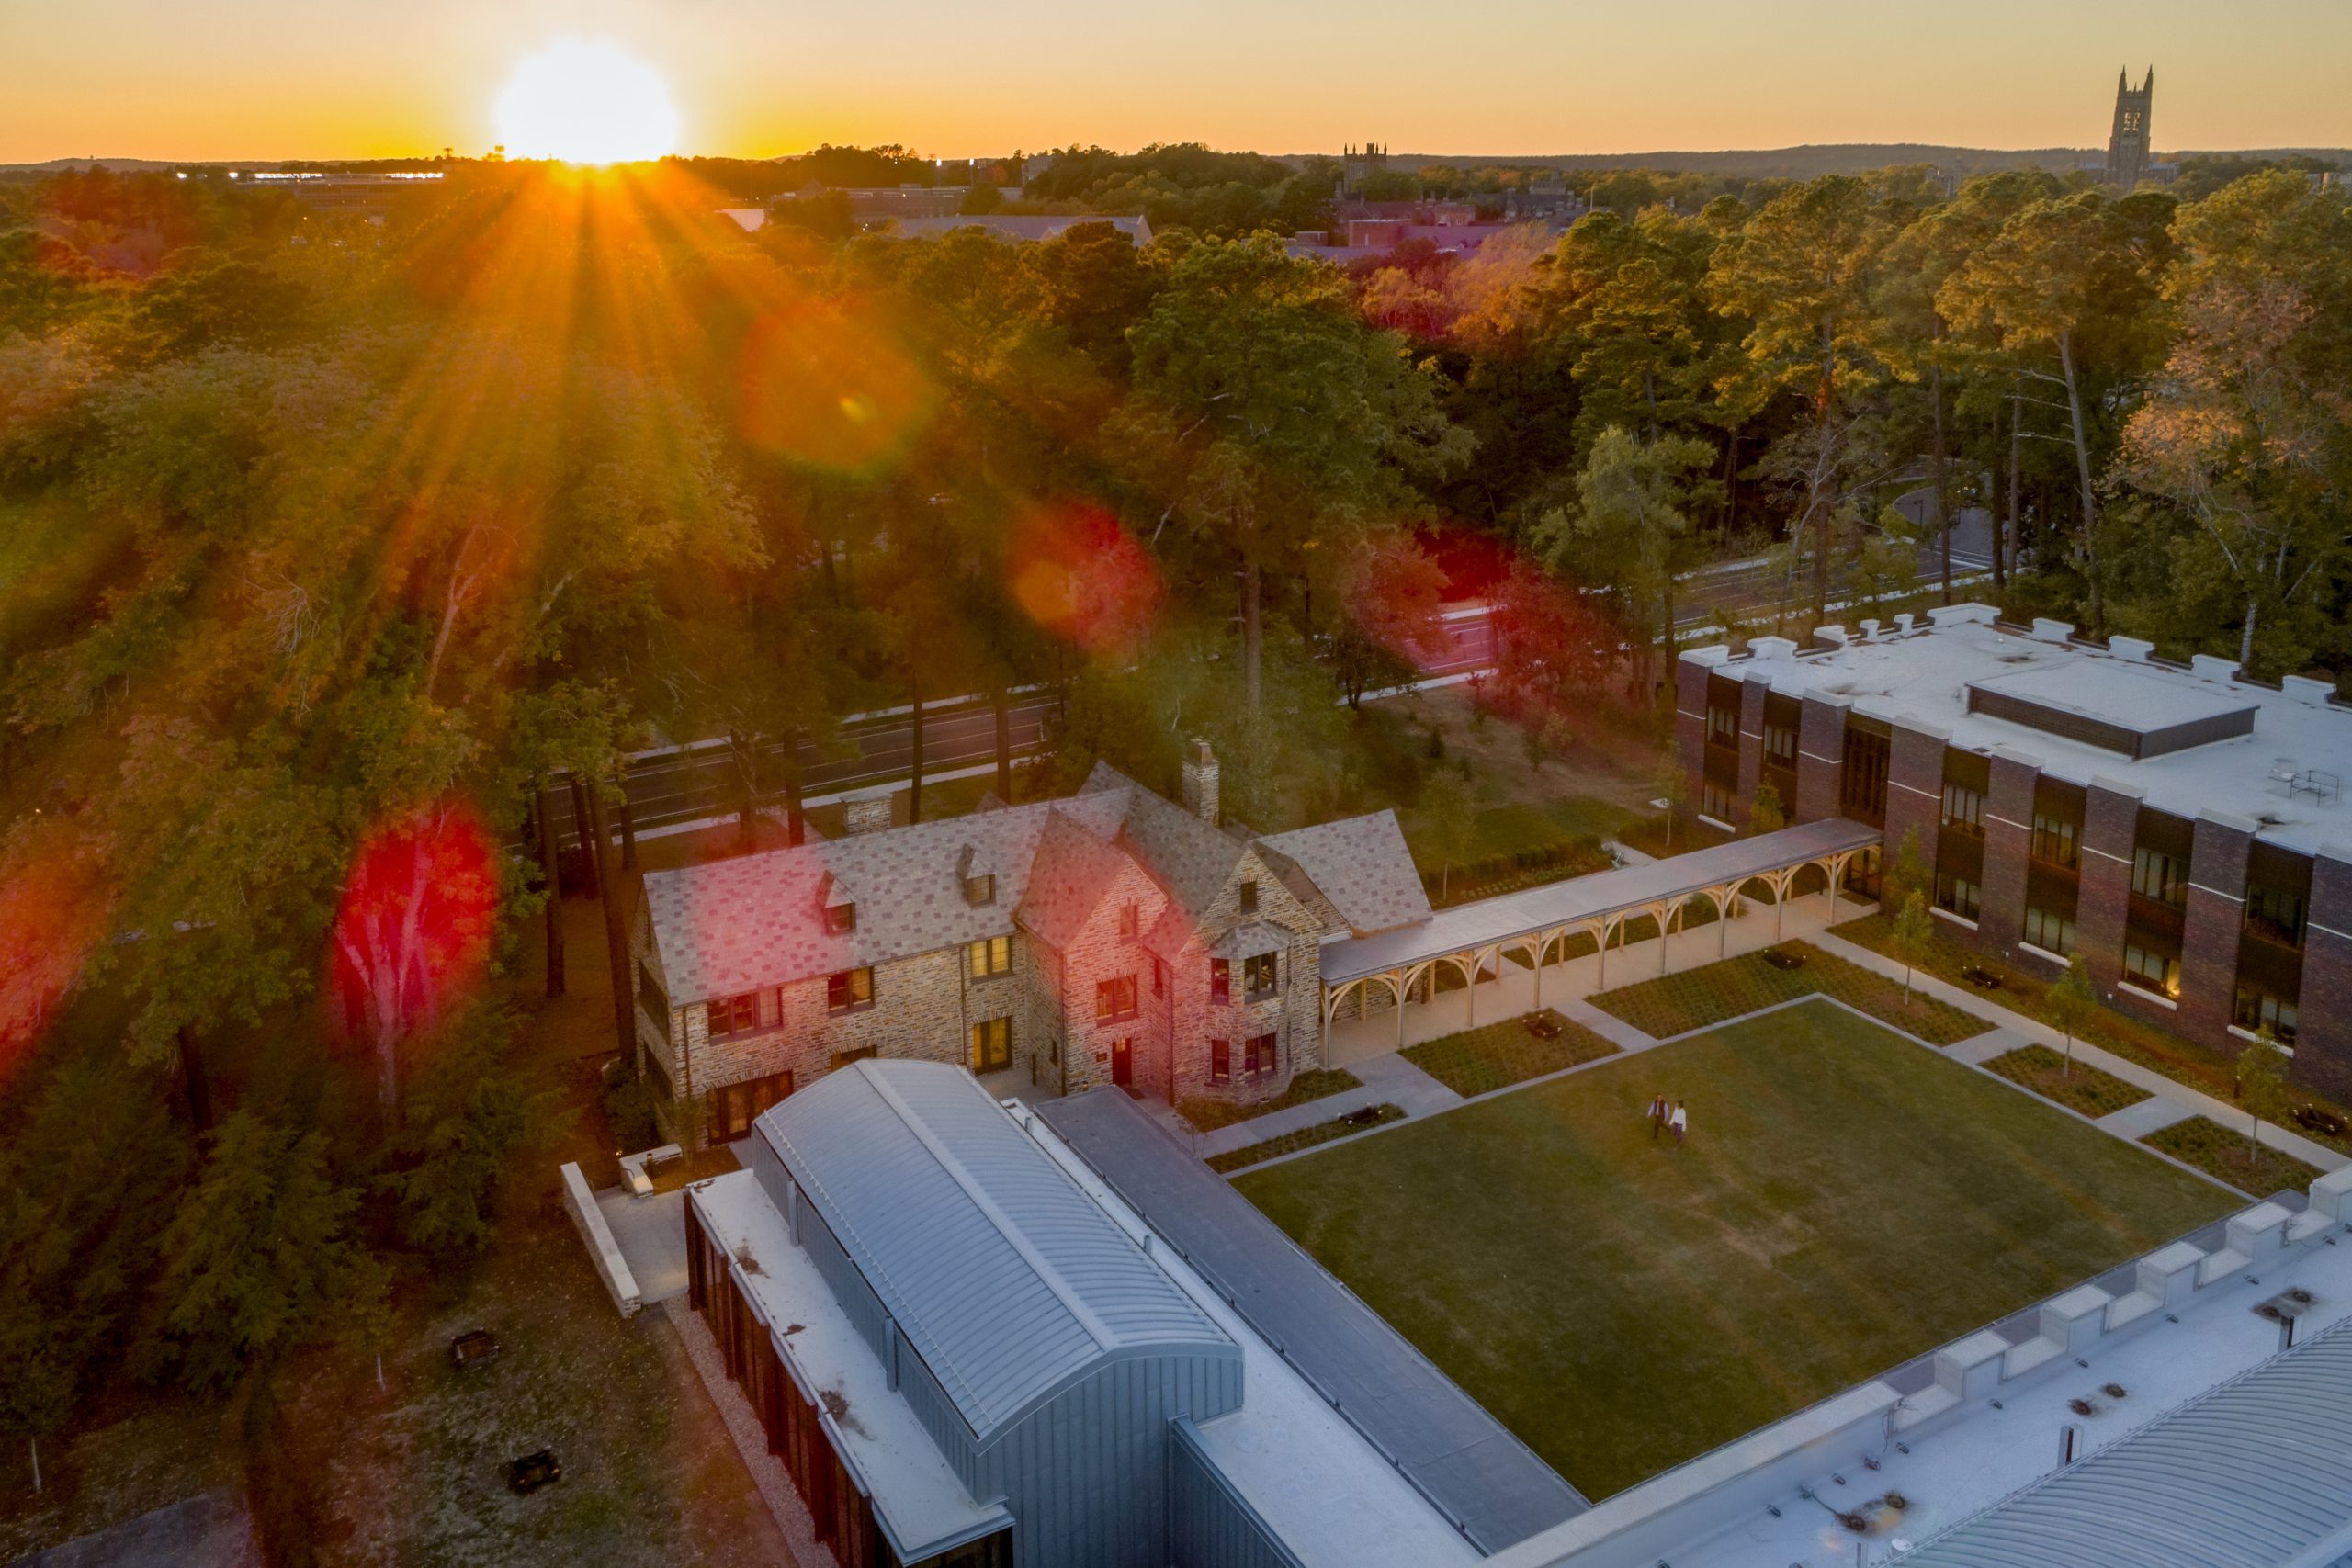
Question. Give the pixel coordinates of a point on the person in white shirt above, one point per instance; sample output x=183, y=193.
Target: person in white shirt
x=1680, y=1120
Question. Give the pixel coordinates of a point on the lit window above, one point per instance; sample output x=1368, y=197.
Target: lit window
x=2151, y=970
x=1258, y=1055
x=849, y=991
x=980, y=889
x=990, y=955
x=1260, y=975
x=841, y=919
x=991, y=1044
x=1114, y=998
x=734, y=1015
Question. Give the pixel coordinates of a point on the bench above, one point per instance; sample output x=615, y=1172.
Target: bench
x=636, y=1169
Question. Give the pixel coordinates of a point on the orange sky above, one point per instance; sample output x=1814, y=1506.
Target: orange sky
x=319, y=78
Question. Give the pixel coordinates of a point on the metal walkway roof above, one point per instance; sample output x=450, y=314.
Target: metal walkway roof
x=2258, y=1472
x=999, y=1269
x=1467, y=927
x=1456, y=1455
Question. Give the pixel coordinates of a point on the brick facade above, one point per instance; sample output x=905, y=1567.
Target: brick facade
x=1915, y=787
x=2323, y=1035
x=1690, y=673
x=2111, y=832
x=2213, y=920
x=1752, y=693
x=1821, y=758
x=2008, y=848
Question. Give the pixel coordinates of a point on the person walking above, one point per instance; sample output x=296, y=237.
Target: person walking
x=1657, y=1115
x=1682, y=1120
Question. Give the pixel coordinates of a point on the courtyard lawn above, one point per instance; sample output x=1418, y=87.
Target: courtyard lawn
x=1847, y=1200
x=1496, y=1055
x=1675, y=1004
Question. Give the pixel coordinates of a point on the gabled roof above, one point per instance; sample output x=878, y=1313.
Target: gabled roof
x=1361, y=865
x=1185, y=855
x=1003, y=1274
x=1072, y=871
x=734, y=925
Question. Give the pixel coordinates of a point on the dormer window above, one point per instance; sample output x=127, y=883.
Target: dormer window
x=1130, y=920
x=1248, y=897
x=841, y=919
x=980, y=889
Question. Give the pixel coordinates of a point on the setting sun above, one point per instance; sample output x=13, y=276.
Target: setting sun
x=586, y=101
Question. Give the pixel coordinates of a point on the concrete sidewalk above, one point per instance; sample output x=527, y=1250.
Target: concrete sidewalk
x=1387, y=1080
x=651, y=1235
x=2195, y=1102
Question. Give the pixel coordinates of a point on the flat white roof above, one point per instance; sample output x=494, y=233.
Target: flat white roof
x=1925, y=676
x=2140, y=697
x=921, y=1502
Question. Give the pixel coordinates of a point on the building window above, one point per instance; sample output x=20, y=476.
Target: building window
x=733, y=1015
x=1220, y=980
x=1220, y=1061
x=1114, y=1000
x=849, y=991
x=1862, y=791
x=2055, y=842
x=654, y=999
x=1722, y=727
x=1130, y=920
x=1158, y=978
x=1959, y=895
x=734, y=1107
x=2257, y=1009
x=858, y=1053
x=1258, y=1055
x=1714, y=800
x=990, y=955
x=1964, y=810
x=2275, y=913
x=991, y=1044
x=2151, y=970
x=2156, y=875
x=2050, y=931
x=980, y=889
x=1262, y=974
x=1780, y=745
x=841, y=919
x=1248, y=897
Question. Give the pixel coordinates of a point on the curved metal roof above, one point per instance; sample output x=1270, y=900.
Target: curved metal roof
x=1002, y=1273
x=2258, y=1472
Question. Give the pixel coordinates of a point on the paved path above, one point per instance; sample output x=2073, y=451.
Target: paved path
x=1387, y=1080
x=2194, y=1102
x=1984, y=1047
x=652, y=1233
x=2150, y=1115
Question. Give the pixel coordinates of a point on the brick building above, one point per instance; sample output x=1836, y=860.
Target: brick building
x=1113, y=937
x=2180, y=828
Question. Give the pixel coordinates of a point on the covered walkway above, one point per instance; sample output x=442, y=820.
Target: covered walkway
x=1586, y=922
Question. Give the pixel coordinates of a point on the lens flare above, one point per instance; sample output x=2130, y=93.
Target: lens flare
x=1083, y=577
x=411, y=934
x=825, y=384
x=52, y=909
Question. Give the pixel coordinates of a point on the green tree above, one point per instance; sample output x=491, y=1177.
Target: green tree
x=1272, y=417
x=2069, y=1005
x=1630, y=530
x=2262, y=1086
x=1908, y=874
x=463, y=1126
x=1767, y=814
x=1449, y=821
x=261, y=1256
x=1913, y=938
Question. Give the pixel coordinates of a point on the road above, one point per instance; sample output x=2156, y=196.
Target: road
x=674, y=787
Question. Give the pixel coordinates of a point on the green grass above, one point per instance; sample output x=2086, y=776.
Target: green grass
x=1715, y=993
x=1305, y=1138
x=1847, y=1200
x=2220, y=1151
x=2083, y=1089
x=1208, y=1115
x=1496, y=1055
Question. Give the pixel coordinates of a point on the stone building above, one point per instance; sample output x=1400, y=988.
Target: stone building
x=2130, y=151
x=2182, y=829
x=1113, y=937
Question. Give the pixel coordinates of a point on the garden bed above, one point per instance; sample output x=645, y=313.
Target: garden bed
x=1496, y=1055
x=1716, y=993
x=2220, y=1152
x=1307, y=1137
x=2083, y=1089
x=1208, y=1115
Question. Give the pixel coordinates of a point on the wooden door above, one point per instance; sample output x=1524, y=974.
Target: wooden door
x=1122, y=1063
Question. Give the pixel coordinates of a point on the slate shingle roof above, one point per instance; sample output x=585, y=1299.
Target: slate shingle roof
x=737, y=925
x=1361, y=865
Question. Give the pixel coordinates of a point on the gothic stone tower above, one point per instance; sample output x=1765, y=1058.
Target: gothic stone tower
x=2127, y=146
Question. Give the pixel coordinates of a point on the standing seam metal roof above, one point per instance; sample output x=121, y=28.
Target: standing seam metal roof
x=2259, y=1471
x=1001, y=1272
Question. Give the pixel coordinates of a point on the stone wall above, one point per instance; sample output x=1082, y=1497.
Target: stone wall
x=1098, y=953
x=1294, y=1013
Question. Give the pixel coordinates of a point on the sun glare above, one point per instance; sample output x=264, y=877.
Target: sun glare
x=586, y=101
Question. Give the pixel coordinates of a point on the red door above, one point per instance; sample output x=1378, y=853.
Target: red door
x=1123, y=1064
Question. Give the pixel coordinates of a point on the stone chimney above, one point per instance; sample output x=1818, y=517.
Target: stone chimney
x=1200, y=782
x=869, y=811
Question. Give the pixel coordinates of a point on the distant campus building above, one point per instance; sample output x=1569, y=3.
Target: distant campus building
x=2182, y=829
x=2131, y=144
x=1113, y=937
